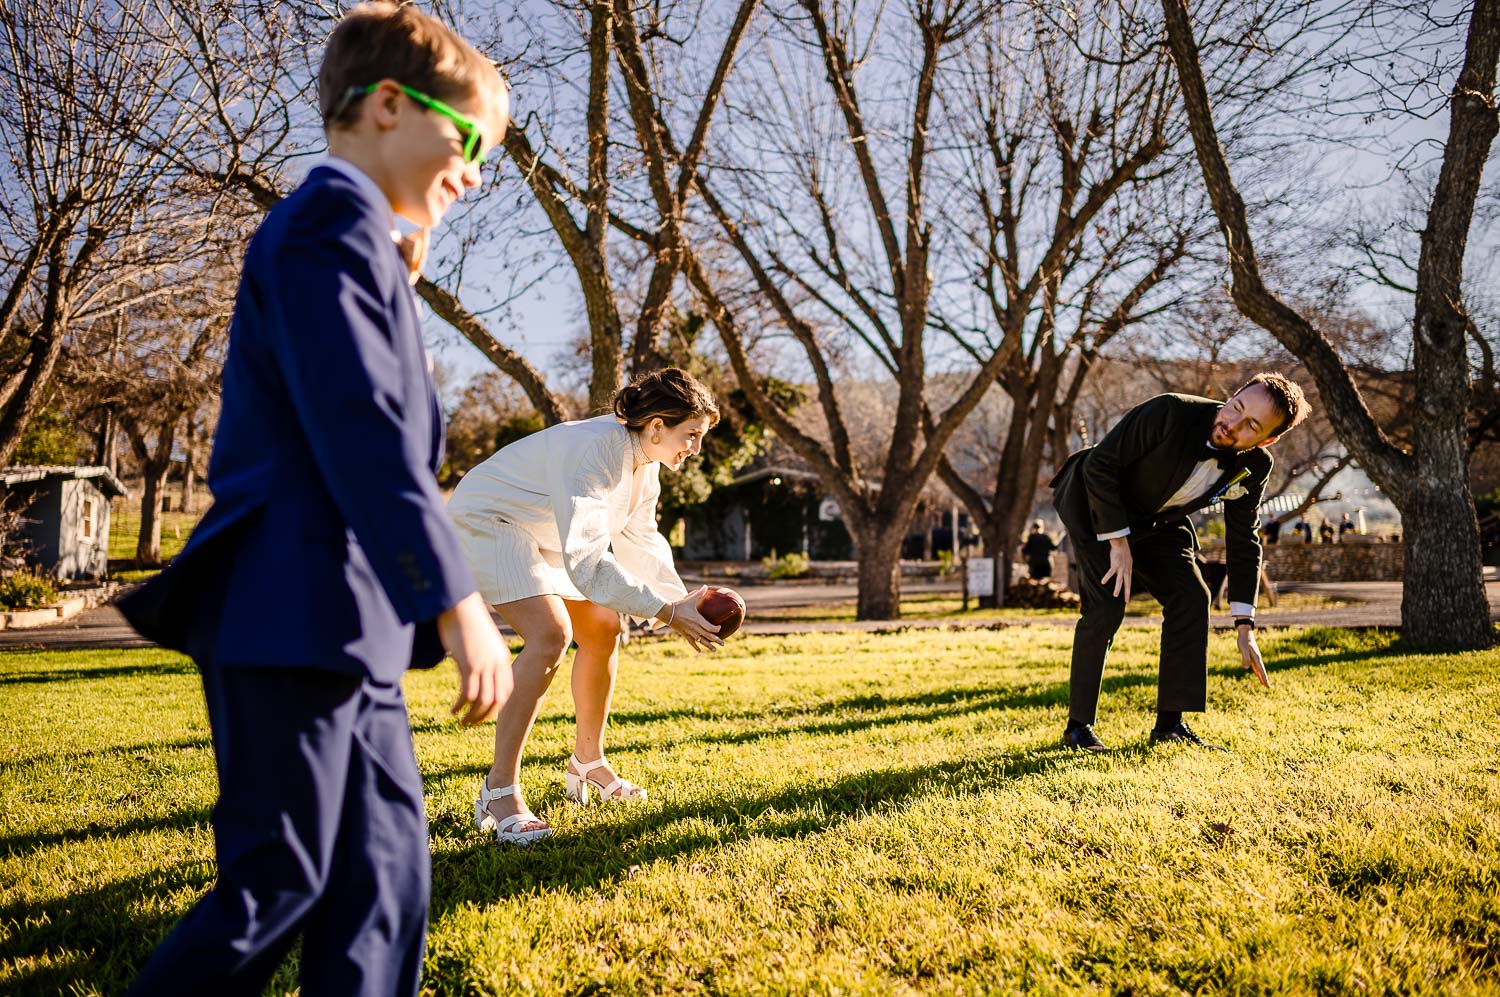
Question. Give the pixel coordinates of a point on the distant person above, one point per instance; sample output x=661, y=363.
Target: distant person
x=1305, y=528
x=1126, y=502
x=1346, y=526
x=1038, y=552
x=1271, y=531
x=327, y=565
x=560, y=528
x=1325, y=532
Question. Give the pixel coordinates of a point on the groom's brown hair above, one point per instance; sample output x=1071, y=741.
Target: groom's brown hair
x=1287, y=397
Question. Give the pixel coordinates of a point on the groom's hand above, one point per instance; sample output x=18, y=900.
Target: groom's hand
x=1120, y=566
x=1250, y=655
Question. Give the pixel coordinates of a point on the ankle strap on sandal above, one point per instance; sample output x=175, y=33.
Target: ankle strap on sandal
x=486, y=794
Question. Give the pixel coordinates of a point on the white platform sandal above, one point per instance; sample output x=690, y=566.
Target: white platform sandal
x=504, y=828
x=621, y=790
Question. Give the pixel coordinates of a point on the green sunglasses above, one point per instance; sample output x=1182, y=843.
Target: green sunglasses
x=468, y=129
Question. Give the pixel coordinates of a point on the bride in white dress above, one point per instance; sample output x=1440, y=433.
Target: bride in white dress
x=560, y=529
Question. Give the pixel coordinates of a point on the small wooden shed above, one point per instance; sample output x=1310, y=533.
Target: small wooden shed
x=66, y=516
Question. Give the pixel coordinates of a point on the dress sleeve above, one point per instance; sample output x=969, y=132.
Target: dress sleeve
x=581, y=485
x=641, y=548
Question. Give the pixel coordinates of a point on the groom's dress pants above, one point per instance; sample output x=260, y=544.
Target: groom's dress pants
x=319, y=831
x=1166, y=563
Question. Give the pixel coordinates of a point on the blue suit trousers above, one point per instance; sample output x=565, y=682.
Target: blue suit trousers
x=319, y=831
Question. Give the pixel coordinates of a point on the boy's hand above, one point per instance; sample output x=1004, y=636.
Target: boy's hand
x=484, y=676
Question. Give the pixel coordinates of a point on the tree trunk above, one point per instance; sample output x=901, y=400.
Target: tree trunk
x=189, y=484
x=148, y=543
x=154, y=468
x=46, y=347
x=1443, y=602
x=189, y=481
x=1005, y=542
x=879, y=575
x=104, y=453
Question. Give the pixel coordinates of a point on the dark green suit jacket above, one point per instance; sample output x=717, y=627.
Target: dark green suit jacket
x=1147, y=456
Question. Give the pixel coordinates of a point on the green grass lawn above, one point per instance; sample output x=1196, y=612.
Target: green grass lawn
x=948, y=606
x=844, y=813
x=125, y=530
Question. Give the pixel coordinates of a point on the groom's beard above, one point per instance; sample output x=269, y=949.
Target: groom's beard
x=1214, y=439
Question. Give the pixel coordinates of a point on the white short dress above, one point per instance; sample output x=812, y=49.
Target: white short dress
x=568, y=512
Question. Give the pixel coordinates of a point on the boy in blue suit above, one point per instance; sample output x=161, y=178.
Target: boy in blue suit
x=328, y=565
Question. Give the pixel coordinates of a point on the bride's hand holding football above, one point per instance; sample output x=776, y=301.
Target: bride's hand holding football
x=683, y=617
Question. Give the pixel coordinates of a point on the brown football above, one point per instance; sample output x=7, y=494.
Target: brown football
x=723, y=608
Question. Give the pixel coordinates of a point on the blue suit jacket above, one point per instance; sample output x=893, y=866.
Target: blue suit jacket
x=328, y=545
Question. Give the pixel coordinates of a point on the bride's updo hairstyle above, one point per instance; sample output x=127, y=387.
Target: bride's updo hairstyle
x=670, y=394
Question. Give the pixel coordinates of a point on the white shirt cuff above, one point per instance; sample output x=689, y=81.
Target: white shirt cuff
x=1117, y=533
x=1242, y=609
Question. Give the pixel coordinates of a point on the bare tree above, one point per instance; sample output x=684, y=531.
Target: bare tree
x=816, y=248
x=249, y=78
x=159, y=379
x=77, y=205
x=1383, y=248
x=582, y=211
x=243, y=75
x=1443, y=603
x=1074, y=232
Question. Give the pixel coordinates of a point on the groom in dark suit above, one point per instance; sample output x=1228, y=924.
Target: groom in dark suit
x=1125, y=504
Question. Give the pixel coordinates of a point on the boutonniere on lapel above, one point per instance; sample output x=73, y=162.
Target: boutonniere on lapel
x=1233, y=489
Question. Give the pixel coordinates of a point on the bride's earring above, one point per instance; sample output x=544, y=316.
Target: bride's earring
x=655, y=441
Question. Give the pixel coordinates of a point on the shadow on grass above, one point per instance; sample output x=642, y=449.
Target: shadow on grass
x=879, y=711
x=884, y=711
x=90, y=673
x=1315, y=649
x=928, y=705
x=104, y=934
x=179, y=820
x=603, y=855
x=182, y=743
x=101, y=932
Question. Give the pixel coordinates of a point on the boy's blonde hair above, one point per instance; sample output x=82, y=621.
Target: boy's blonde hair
x=384, y=40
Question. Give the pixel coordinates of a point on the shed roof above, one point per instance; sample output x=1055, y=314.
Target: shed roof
x=103, y=478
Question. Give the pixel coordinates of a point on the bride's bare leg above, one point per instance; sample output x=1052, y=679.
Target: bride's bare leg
x=597, y=631
x=542, y=621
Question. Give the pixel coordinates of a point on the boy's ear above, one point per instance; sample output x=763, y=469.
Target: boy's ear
x=1268, y=441
x=385, y=104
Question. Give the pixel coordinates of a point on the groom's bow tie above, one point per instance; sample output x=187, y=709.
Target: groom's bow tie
x=1224, y=458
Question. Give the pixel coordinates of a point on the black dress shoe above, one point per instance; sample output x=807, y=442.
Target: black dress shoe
x=1084, y=739
x=1181, y=733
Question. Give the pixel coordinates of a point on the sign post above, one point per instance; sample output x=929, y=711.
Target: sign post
x=979, y=579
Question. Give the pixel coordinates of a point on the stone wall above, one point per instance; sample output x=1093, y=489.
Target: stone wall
x=1355, y=561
